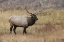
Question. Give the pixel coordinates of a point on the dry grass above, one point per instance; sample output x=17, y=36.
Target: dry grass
x=21, y=38
x=49, y=27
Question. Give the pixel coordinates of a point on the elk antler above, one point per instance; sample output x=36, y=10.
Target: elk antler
x=38, y=12
x=27, y=10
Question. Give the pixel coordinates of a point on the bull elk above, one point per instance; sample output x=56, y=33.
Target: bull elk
x=22, y=21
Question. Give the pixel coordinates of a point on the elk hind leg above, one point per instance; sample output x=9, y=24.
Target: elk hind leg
x=14, y=29
x=11, y=29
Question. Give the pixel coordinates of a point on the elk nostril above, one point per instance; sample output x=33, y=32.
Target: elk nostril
x=37, y=19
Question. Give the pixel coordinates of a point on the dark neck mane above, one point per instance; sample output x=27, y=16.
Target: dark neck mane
x=31, y=21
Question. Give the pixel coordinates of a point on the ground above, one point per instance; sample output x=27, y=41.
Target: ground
x=56, y=35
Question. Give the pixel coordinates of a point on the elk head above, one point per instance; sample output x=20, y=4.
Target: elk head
x=33, y=16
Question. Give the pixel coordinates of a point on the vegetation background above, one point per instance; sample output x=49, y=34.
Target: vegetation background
x=48, y=28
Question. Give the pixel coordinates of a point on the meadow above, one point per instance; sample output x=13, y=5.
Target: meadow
x=48, y=28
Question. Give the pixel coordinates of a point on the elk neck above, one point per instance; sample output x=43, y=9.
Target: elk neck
x=31, y=21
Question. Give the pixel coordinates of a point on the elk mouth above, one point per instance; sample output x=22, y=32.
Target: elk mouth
x=37, y=19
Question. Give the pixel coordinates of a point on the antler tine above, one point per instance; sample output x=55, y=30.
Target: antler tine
x=27, y=10
x=38, y=12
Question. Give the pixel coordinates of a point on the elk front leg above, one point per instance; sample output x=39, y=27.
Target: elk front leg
x=24, y=31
